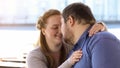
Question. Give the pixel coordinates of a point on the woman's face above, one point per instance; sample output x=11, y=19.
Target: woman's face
x=52, y=31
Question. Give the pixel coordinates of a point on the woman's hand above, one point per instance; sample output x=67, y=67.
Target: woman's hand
x=97, y=27
x=75, y=57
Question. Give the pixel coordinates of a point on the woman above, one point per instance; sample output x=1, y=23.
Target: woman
x=52, y=50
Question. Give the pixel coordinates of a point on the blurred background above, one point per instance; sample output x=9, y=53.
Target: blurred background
x=18, y=33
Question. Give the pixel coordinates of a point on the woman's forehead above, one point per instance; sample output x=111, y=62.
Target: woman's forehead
x=54, y=20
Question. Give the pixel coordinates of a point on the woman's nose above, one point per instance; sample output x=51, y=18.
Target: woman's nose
x=60, y=30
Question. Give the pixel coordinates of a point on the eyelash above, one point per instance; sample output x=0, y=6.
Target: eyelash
x=55, y=27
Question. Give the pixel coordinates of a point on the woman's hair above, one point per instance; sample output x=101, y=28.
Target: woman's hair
x=42, y=41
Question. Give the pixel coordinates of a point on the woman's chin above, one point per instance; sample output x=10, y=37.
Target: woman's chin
x=59, y=40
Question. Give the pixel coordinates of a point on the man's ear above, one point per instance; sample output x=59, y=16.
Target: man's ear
x=43, y=31
x=71, y=21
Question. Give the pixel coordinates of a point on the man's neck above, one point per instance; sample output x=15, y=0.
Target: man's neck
x=79, y=30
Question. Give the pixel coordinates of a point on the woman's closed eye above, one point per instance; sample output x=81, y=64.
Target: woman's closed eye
x=55, y=27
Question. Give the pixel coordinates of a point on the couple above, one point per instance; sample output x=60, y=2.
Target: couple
x=85, y=47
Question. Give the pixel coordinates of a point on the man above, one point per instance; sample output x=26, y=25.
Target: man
x=102, y=50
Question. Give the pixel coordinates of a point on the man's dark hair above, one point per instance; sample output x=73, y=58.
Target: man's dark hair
x=79, y=11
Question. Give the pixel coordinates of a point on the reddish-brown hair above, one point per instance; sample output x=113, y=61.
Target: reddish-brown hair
x=42, y=41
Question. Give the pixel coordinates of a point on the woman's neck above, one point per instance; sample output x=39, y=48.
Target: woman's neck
x=54, y=48
x=56, y=56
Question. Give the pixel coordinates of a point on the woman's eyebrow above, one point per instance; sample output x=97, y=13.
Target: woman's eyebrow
x=55, y=24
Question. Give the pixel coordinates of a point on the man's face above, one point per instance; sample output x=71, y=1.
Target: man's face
x=66, y=31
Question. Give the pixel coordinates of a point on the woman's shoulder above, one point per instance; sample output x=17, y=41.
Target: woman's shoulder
x=36, y=59
x=36, y=53
x=36, y=50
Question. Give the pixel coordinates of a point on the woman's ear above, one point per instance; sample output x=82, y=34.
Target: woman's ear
x=43, y=31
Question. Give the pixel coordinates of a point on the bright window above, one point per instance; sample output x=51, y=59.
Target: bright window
x=27, y=11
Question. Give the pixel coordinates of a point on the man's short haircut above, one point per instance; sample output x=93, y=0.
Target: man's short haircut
x=78, y=11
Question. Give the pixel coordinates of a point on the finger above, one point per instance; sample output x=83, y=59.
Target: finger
x=77, y=52
x=91, y=31
x=94, y=26
x=77, y=56
x=103, y=28
x=96, y=30
x=100, y=28
x=76, y=60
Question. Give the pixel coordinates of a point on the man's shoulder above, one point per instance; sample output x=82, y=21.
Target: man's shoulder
x=101, y=37
x=104, y=35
